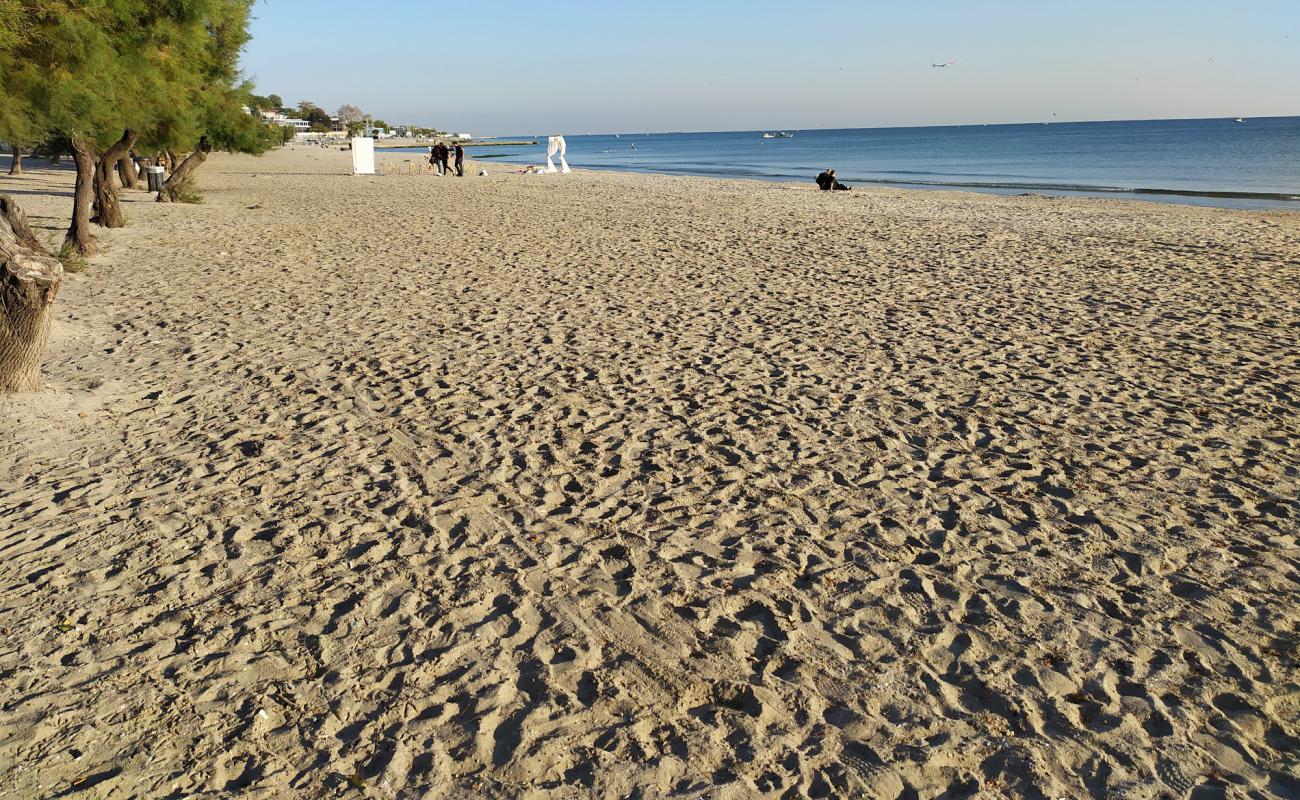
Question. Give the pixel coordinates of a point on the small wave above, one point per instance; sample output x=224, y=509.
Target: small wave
x=1090, y=189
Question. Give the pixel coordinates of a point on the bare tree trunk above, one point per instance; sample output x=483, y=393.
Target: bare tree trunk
x=29, y=283
x=108, y=213
x=126, y=172
x=13, y=216
x=183, y=174
x=16, y=168
x=79, y=239
x=172, y=160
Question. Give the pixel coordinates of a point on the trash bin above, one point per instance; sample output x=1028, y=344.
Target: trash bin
x=155, y=177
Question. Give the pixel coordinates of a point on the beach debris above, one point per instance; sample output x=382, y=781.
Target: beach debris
x=355, y=781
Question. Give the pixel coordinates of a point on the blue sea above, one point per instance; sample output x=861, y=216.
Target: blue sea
x=1217, y=162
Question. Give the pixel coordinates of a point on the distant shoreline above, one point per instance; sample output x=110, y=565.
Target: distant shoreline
x=512, y=143
x=1197, y=162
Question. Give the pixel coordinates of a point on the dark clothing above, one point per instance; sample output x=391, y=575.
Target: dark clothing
x=440, y=153
x=460, y=161
x=828, y=183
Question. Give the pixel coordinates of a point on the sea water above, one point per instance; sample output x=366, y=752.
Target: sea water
x=1220, y=162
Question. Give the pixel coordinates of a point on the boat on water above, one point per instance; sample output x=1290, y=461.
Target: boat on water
x=1239, y=119
x=778, y=135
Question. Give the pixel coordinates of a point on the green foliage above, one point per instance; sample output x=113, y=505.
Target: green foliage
x=71, y=260
x=315, y=115
x=187, y=192
x=215, y=32
x=270, y=102
x=93, y=68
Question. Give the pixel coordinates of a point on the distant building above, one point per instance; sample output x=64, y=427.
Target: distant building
x=278, y=118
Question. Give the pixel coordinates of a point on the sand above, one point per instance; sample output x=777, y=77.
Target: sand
x=611, y=485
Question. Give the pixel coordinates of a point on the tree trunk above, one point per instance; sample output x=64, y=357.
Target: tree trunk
x=28, y=284
x=172, y=160
x=108, y=213
x=16, y=168
x=126, y=172
x=79, y=239
x=13, y=216
x=183, y=174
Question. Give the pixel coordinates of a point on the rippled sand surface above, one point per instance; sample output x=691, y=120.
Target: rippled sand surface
x=613, y=485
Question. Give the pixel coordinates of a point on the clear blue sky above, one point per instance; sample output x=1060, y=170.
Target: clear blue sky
x=587, y=65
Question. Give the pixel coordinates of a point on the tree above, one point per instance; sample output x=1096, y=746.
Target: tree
x=350, y=113
x=17, y=125
x=95, y=77
x=214, y=108
x=270, y=102
x=356, y=128
x=29, y=282
x=65, y=70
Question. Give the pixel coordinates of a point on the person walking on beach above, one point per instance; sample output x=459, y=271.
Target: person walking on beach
x=460, y=161
x=433, y=156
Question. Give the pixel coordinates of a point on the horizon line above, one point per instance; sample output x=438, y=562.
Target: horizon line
x=906, y=127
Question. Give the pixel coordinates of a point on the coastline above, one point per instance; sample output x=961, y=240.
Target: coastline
x=566, y=485
x=1250, y=201
x=1216, y=163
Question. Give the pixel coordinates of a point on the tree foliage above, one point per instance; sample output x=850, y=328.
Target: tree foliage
x=270, y=102
x=106, y=74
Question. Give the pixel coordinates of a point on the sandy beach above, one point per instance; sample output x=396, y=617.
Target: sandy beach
x=610, y=485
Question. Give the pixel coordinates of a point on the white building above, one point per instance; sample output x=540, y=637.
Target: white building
x=278, y=118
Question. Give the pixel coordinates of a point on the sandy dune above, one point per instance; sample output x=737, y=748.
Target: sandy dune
x=625, y=486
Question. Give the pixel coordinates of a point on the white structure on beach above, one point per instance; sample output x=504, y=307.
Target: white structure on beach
x=363, y=155
x=555, y=145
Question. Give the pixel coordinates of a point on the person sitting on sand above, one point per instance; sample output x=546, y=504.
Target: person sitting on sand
x=827, y=182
